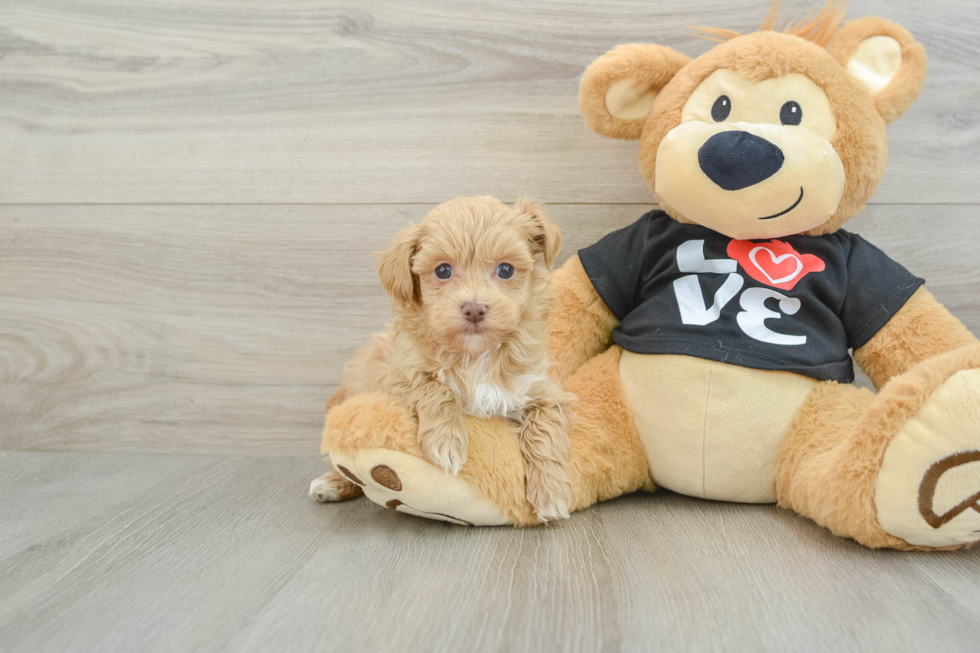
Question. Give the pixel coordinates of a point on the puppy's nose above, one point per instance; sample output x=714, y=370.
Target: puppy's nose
x=474, y=312
x=735, y=159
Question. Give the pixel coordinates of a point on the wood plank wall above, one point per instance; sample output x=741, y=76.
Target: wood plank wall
x=190, y=192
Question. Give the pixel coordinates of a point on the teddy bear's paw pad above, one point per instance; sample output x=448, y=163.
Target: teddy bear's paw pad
x=409, y=484
x=928, y=488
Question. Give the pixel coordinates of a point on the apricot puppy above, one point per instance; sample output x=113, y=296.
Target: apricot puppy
x=469, y=287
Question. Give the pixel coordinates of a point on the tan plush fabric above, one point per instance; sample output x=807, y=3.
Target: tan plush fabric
x=704, y=435
x=580, y=325
x=607, y=456
x=926, y=491
x=829, y=464
x=494, y=466
x=921, y=330
x=372, y=421
x=649, y=66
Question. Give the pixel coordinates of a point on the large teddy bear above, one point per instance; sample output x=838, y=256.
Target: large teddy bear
x=708, y=343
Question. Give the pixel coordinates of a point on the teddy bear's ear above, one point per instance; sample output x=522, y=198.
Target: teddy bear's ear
x=886, y=60
x=619, y=87
x=544, y=235
x=395, y=266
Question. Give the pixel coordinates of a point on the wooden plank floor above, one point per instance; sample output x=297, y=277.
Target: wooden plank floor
x=129, y=552
x=190, y=194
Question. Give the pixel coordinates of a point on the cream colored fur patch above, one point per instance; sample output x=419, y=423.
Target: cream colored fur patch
x=705, y=433
x=875, y=62
x=931, y=469
x=628, y=99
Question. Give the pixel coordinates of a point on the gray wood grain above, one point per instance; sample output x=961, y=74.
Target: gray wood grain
x=332, y=101
x=122, y=552
x=223, y=329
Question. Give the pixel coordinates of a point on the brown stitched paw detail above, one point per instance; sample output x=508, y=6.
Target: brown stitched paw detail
x=387, y=477
x=927, y=489
x=350, y=475
x=394, y=503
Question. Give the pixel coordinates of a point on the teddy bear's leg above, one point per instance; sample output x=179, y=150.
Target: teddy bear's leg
x=374, y=439
x=899, y=469
x=607, y=458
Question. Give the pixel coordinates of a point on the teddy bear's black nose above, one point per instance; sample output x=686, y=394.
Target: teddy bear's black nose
x=735, y=159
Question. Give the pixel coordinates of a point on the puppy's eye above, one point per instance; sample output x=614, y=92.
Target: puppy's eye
x=721, y=109
x=505, y=270
x=444, y=271
x=791, y=113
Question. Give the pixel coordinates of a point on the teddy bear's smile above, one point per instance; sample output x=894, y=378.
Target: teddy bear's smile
x=785, y=211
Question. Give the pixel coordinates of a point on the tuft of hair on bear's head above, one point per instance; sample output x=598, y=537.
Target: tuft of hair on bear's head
x=818, y=26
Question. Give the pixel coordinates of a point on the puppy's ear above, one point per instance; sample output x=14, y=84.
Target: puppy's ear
x=619, y=87
x=395, y=266
x=886, y=60
x=544, y=235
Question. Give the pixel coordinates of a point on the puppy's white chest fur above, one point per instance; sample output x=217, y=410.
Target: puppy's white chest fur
x=487, y=398
x=482, y=397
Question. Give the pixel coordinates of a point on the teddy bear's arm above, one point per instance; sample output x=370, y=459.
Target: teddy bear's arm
x=580, y=325
x=921, y=329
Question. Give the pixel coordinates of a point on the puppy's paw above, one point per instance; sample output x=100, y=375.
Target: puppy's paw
x=445, y=445
x=551, y=512
x=549, y=491
x=333, y=487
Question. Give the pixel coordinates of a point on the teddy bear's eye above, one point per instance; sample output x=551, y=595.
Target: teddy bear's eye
x=791, y=113
x=721, y=109
x=444, y=271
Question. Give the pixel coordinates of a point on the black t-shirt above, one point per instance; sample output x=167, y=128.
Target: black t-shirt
x=794, y=304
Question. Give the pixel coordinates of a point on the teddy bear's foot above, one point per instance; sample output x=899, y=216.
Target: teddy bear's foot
x=928, y=487
x=900, y=469
x=409, y=484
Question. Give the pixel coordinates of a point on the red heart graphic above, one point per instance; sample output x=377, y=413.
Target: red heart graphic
x=774, y=263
